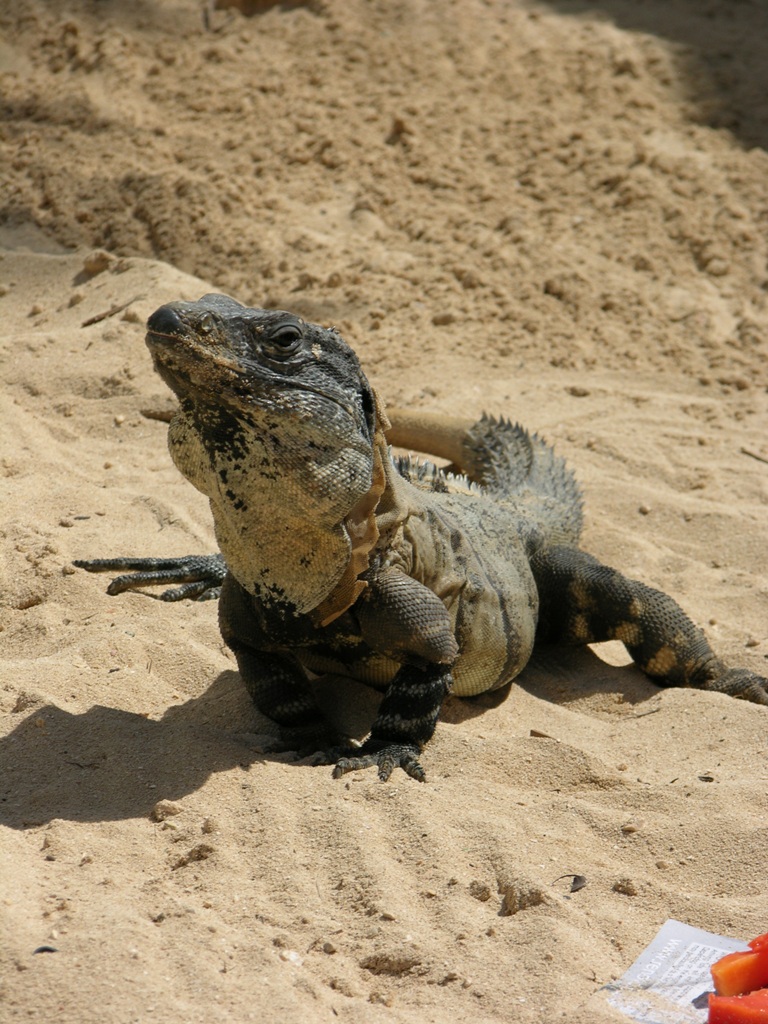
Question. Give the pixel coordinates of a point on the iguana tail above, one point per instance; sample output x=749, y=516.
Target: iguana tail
x=503, y=457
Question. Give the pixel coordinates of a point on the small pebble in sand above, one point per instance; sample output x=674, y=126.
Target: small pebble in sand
x=165, y=809
x=97, y=261
x=480, y=890
x=625, y=886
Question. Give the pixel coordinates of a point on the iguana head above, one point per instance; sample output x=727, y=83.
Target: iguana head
x=278, y=427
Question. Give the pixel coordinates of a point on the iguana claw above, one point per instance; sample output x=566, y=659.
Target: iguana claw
x=404, y=755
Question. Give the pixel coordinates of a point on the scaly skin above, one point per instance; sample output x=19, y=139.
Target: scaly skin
x=335, y=558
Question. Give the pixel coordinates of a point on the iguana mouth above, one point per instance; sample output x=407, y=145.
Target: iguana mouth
x=187, y=368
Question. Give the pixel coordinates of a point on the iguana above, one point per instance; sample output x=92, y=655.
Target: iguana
x=338, y=558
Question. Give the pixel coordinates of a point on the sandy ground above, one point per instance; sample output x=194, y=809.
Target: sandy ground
x=552, y=211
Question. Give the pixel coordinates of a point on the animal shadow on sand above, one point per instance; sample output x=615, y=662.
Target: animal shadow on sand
x=107, y=764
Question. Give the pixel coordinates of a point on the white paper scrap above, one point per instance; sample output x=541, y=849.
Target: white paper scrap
x=669, y=981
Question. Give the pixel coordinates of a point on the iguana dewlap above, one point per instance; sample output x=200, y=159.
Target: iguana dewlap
x=337, y=558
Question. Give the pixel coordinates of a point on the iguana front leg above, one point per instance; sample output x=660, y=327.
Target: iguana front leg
x=584, y=601
x=396, y=616
x=279, y=688
x=405, y=722
x=403, y=619
x=275, y=680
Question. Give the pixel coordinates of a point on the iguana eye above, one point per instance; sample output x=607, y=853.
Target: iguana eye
x=286, y=338
x=206, y=324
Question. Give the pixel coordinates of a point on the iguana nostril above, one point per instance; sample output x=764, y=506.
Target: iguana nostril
x=164, y=321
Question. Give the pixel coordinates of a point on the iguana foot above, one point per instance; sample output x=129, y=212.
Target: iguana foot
x=386, y=759
x=201, y=576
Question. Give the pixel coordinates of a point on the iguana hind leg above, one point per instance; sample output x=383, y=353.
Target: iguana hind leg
x=584, y=601
x=200, y=576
